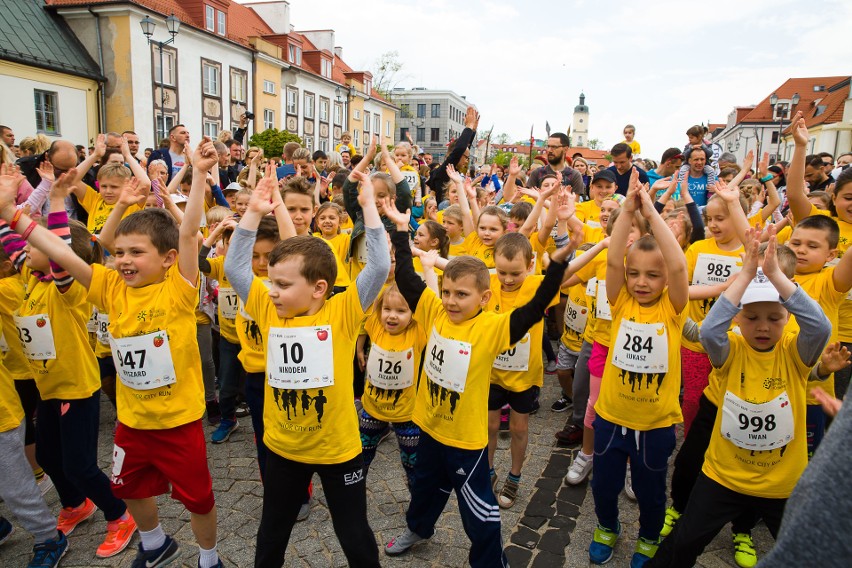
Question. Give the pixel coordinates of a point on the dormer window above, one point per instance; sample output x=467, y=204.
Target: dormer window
x=368, y=86
x=214, y=20
x=325, y=68
x=294, y=54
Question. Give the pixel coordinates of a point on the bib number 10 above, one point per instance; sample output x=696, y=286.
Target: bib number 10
x=294, y=353
x=757, y=423
x=635, y=344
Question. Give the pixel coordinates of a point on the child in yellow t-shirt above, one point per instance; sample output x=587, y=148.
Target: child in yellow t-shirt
x=630, y=139
x=345, y=144
x=453, y=221
x=638, y=403
x=491, y=222
x=600, y=190
x=328, y=222
x=403, y=155
x=309, y=422
x=451, y=407
x=51, y=326
x=758, y=447
x=430, y=235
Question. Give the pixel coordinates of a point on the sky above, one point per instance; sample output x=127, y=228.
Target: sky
x=662, y=66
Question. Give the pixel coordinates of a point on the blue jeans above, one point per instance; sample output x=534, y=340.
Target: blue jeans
x=231, y=375
x=648, y=452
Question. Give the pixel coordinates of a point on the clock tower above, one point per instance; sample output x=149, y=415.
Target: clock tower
x=580, y=129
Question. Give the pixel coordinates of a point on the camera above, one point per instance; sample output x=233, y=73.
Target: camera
x=249, y=115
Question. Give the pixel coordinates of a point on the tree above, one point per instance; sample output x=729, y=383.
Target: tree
x=385, y=70
x=501, y=138
x=595, y=144
x=272, y=141
x=503, y=159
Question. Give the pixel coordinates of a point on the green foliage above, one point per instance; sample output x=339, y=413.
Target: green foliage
x=385, y=70
x=501, y=138
x=503, y=159
x=272, y=141
x=595, y=144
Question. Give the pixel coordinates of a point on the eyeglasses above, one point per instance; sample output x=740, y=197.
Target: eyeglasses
x=549, y=147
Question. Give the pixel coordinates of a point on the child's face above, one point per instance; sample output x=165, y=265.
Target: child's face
x=843, y=202
x=580, y=167
x=151, y=201
x=694, y=139
x=607, y=207
x=678, y=229
x=139, y=262
x=431, y=210
x=260, y=257
x=762, y=324
x=301, y=209
x=395, y=315
x=453, y=196
x=241, y=204
x=719, y=221
x=462, y=299
x=511, y=273
x=646, y=275
x=727, y=178
x=489, y=229
x=345, y=139
x=811, y=248
x=668, y=207
x=602, y=190
x=184, y=188
x=453, y=227
x=817, y=201
x=629, y=134
x=36, y=259
x=548, y=183
x=401, y=155
x=110, y=189
x=231, y=198
x=291, y=294
x=328, y=222
x=380, y=189
x=423, y=240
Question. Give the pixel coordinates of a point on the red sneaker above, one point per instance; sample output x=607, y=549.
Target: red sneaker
x=118, y=536
x=70, y=517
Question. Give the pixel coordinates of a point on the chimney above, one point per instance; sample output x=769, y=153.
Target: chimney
x=276, y=14
x=338, y=52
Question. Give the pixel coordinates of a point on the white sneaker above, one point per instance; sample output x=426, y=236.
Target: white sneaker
x=579, y=470
x=628, y=485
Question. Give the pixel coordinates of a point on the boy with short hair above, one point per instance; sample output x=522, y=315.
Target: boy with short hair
x=310, y=423
x=602, y=188
x=151, y=298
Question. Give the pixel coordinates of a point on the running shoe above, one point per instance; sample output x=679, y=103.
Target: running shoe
x=580, y=469
x=166, y=554
x=508, y=494
x=744, y=553
x=402, y=543
x=563, y=404
x=119, y=534
x=224, y=431
x=645, y=550
x=550, y=368
x=672, y=517
x=48, y=554
x=570, y=436
x=603, y=543
x=70, y=517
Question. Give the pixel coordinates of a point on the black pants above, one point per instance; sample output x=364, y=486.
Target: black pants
x=346, y=493
x=710, y=507
x=29, y=395
x=690, y=459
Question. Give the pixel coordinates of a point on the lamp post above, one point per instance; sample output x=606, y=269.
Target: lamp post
x=781, y=111
x=350, y=94
x=173, y=26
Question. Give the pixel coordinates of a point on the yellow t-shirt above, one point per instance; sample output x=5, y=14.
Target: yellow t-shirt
x=461, y=355
x=165, y=310
x=714, y=266
x=593, y=277
x=346, y=226
x=99, y=210
x=589, y=213
x=634, y=146
x=228, y=300
x=757, y=219
x=641, y=382
x=11, y=412
x=11, y=298
x=773, y=473
x=456, y=249
x=311, y=425
x=382, y=403
x=784, y=235
x=58, y=324
x=577, y=316
x=475, y=247
x=539, y=250
x=252, y=346
x=340, y=246
x=349, y=147
x=505, y=372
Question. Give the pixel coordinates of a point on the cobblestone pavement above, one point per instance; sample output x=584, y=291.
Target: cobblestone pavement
x=550, y=525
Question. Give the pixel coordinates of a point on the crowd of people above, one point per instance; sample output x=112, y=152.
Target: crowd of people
x=334, y=298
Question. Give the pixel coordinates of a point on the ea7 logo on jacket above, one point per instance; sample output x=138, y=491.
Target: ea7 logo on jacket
x=353, y=477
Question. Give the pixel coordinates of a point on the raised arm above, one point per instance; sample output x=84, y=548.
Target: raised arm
x=796, y=195
x=511, y=184
x=748, y=162
x=618, y=239
x=79, y=188
x=204, y=159
x=730, y=194
x=131, y=194
x=371, y=279
x=678, y=276
x=467, y=218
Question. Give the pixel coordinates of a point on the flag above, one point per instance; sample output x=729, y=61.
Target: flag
x=547, y=128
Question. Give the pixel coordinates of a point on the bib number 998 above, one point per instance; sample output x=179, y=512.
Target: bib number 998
x=757, y=423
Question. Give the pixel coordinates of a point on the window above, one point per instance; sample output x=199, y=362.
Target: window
x=210, y=79
x=168, y=65
x=421, y=111
x=47, y=112
x=323, y=145
x=211, y=129
x=309, y=105
x=325, y=67
x=436, y=110
x=324, y=110
x=269, y=87
x=367, y=122
x=387, y=129
x=356, y=138
x=220, y=22
x=294, y=54
x=368, y=86
x=338, y=114
x=403, y=133
x=357, y=114
x=774, y=137
x=268, y=118
x=378, y=124
x=404, y=111
x=309, y=143
x=421, y=134
x=209, y=18
x=238, y=86
x=434, y=135
x=292, y=101
x=163, y=129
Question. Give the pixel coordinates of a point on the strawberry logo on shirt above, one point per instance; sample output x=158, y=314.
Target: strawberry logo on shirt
x=158, y=341
x=40, y=322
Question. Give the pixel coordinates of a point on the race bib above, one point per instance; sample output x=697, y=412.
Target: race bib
x=412, y=179
x=715, y=268
x=757, y=427
x=36, y=336
x=593, y=224
x=143, y=362
x=576, y=317
x=300, y=357
x=447, y=362
x=592, y=287
x=603, y=309
x=228, y=302
x=516, y=358
x=361, y=249
x=102, y=328
x=641, y=347
x=393, y=370
x=92, y=324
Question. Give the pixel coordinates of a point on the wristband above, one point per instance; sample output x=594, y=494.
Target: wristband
x=15, y=218
x=29, y=230
x=766, y=178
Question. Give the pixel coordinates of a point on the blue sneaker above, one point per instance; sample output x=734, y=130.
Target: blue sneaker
x=224, y=431
x=48, y=554
x=603, y=543
x=166, y=554
x=6, y=530
x=218, y=564
x=645, y=550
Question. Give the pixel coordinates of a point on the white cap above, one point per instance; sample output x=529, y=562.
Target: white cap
x=178, y=198
x=233, y=186
x=760, y=290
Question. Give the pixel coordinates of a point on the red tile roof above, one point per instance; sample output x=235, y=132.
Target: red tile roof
x=763, y=111
x=827, y=110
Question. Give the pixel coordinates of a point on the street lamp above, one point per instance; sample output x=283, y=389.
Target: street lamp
x=350, y=94
x=173, y=26
x=781, y=111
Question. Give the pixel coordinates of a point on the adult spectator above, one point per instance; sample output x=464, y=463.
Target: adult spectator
x=7, y=136
x=827, y=162
x=815, y=175
x=622, y=166
x=427, y=159
x=459, y=156
x=132, y=143
x=113, y=140
x=81, y=153
x=670, y=163
x=696, y=178
x=288, y=169
x=173, y=154
x=224, y=162
x=347, y=158
x=843, y=162
x=557, y=145
x=235, y=160
x=726, y=160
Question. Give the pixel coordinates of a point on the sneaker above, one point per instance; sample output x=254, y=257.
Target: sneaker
x=672, y=517
x=70, y=517
x=603, y=543
x=570, y=436
x=628, y=485
x=508, y=494
x=224, y=431
x=563, y=404
x=242, y=410
x=6, y=530
x=645, y=550
x=550, y=368
x=400, y=544
x=119, y=534
x=166, y=554
x=214, y=414
x=580, y=469
x=45, y=484
x=744, y=553
x=47, y=554
x=218, y=564
x=304, y=512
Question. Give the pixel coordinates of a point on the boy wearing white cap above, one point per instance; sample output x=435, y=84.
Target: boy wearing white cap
x=758, y=448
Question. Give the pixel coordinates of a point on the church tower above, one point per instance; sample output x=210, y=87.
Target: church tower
x=580, y=129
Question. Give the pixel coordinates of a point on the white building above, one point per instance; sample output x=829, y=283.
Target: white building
x=433, y=117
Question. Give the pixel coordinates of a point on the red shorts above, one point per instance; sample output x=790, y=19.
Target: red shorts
x=145, y=462
x=597, y=360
